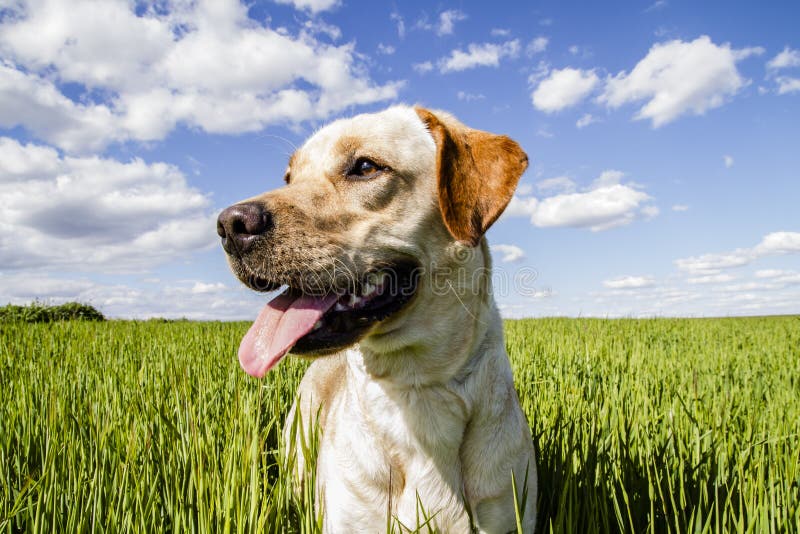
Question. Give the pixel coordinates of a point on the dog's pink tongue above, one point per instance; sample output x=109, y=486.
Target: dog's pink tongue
x=283, y=321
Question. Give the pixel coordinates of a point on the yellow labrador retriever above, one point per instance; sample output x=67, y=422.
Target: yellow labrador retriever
x=378, y=235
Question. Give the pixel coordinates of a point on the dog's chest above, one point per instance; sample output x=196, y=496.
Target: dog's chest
x=413, y=421
x=392, y=445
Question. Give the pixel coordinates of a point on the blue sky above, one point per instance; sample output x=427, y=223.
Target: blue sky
x=663, y=140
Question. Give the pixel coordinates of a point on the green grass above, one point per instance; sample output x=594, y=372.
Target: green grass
x=639, y=425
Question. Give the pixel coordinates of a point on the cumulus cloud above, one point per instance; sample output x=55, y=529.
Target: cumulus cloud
x=779, y=276
x=773, y=273
x=785, y=59
x=397, y=18
x=629, y=282
x=423, y=68
x=447, y=21
x=92, y=213
x=314, y=6
x=386, y=50
x=206, y=65
x=680, y=207
x=479, y=55
x=585, y=120
x=558, y=184
x=598, y=209
x=509, y=253
x=606, y=203
x=35, y=103
x=711, y=279
x=537, y=46
x=469, y=97
x=563, y=88
x=655, y=6
x=728, y=161
x=776, y=243
x=787, y=84
x=679, y=77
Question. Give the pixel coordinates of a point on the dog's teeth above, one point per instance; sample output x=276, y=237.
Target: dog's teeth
x=339, y=307
x=317, y=325
x=354, y=300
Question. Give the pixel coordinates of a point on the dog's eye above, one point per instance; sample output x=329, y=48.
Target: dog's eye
x=364, y=169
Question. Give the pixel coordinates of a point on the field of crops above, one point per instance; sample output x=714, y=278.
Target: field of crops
x=639, y=425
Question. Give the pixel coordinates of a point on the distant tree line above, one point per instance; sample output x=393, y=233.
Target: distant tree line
x=37, y=312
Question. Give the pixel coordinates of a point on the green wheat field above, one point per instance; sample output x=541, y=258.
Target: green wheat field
x=661, y=425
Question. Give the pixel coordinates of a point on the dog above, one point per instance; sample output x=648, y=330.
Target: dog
x=379, y=236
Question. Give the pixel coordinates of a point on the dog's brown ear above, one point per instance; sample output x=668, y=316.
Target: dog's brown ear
x=477, y=174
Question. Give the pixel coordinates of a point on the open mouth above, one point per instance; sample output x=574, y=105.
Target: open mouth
x=317, y=322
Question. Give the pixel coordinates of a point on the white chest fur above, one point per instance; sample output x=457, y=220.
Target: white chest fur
x=396, y=452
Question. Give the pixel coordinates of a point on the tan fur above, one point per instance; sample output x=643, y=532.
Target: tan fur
x=423, y=408
x=477, y=174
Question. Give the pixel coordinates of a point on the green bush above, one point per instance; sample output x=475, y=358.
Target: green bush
x=36, y=312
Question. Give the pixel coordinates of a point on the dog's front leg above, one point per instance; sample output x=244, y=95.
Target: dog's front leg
x=498, y=442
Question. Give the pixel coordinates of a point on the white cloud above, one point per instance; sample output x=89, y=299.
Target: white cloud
x=537, y=45
x=679, y=77
x=629, y=282
x=787, y=84
x=711, y=279
x=657, y=5
x=605, y=204
x=608, y=178
x=386, y=50
x=510, y=253
x=204, y=65
x=680, y=207
x=776, y=243
x=469, y=97
x=314, y=6
x=558, y=184
x=401, y=25
x=524, y=188
x=447, y=20
x=500, y=32
x=585, y=120
x=728, y=160
x=780, y=278
x=479, y=55
x=95, y=214
x=779, y=243
x=708, y=264
x=203, y=287
x=598, y=209
x=788, y=58
x=31, y=101
x=318, y=27
x=563, y=88
x=773, y=273
x=423, y=67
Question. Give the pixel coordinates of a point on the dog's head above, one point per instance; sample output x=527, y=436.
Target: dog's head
x=371, y=205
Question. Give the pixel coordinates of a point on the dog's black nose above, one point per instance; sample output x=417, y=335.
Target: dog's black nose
x=239, y=226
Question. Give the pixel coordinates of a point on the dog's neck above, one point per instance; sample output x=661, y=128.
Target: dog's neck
x=456, y=317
